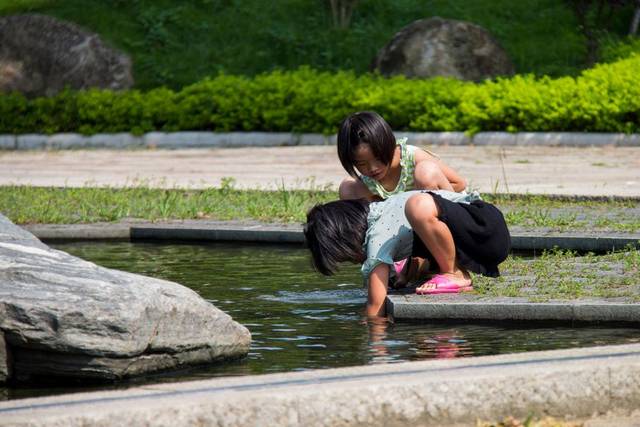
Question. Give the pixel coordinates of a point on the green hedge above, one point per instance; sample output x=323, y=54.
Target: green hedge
x=603, y=99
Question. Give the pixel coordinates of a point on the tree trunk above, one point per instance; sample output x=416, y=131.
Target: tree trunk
x=635, y=21
x=341, y=11
x=581, y=9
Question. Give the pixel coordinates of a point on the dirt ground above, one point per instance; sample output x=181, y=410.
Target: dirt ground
x=604, y=170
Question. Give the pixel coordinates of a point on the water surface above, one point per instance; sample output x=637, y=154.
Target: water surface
x=301, y=320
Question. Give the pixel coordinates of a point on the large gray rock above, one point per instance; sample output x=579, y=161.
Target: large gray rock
x=40, y=55
x=63, y=316
x=442, y=47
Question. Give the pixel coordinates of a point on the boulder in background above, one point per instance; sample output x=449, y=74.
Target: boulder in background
x=446, y=48
x=41, y=55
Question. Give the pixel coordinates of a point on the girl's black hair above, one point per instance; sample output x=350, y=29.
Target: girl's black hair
x=367, y=127
x=335, y=233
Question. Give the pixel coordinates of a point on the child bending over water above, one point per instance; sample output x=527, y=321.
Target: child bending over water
x=379, y=166
x=457, y=232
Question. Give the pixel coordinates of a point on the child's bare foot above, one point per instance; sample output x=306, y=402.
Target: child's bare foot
x=446, y=283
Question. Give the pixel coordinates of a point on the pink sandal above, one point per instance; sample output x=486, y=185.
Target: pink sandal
x=399, y=265
x=444, y=285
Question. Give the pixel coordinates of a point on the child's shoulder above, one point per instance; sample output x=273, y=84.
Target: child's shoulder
x=421, y=153
x=415, y=152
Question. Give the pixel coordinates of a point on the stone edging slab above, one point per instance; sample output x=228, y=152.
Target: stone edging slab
x=470, y=308
x=568, y=383
x=176, y=140
x=251, y=231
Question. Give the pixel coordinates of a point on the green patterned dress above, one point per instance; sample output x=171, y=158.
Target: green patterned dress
x=407, y=168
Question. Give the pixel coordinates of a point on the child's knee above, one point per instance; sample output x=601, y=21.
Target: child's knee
x=421, y=208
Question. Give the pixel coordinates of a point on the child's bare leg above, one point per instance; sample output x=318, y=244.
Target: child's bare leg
x=351, y=188
x=422, y=212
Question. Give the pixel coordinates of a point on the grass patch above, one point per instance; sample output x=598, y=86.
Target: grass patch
x=568, y=213
x=562, y=275
x=25, y=204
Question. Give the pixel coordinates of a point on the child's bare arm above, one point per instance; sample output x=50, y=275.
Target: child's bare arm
x=432, y=173
x=457, y=181
x=429, y=176
x=377, y=290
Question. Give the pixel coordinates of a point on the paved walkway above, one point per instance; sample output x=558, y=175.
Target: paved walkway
x=605, y=170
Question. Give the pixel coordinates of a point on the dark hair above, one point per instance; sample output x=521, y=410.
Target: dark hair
x=367, y=127
x=335, y=233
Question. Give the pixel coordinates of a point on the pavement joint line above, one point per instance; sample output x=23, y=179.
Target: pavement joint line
x=326, y=380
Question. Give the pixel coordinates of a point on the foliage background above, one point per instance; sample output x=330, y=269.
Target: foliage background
x=176, y=43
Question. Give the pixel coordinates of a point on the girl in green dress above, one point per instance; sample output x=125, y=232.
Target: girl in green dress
x=379, y=166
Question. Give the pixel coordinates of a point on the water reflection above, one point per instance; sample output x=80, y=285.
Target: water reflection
x=386, y=347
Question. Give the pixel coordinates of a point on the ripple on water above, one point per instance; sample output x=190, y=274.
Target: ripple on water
x=312, y=311
x=331, y=296
x=296, y=338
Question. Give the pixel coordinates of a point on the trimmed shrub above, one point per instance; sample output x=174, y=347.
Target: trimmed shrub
x=605, y=98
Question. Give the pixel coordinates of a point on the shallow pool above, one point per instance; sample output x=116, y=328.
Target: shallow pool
x=301, y=320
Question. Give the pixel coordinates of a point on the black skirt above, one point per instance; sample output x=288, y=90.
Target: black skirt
x=479, y=233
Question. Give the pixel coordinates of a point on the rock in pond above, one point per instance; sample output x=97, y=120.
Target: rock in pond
x=61, y=316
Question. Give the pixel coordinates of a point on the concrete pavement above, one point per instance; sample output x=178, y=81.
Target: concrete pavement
x=591, y=170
